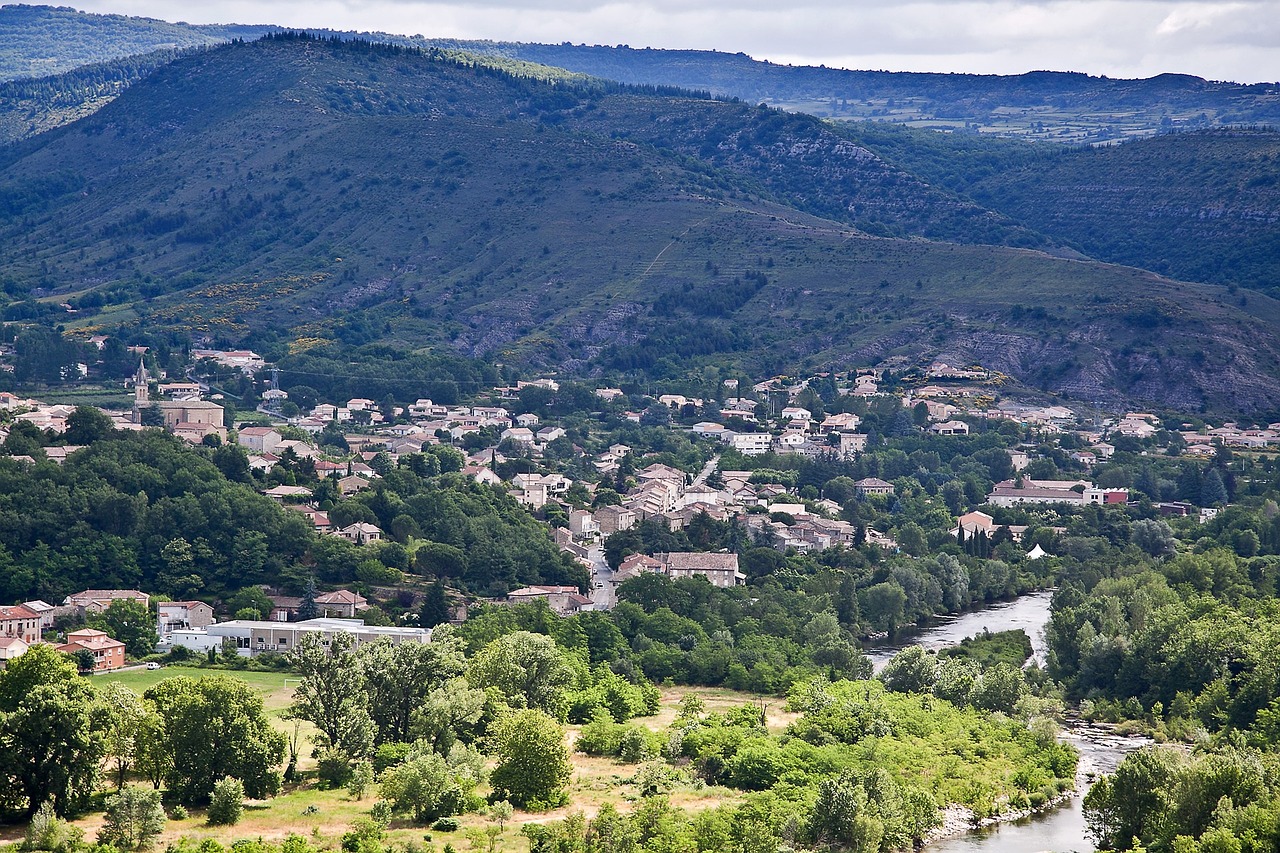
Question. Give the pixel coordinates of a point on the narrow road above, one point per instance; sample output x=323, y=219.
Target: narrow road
x=706, y=470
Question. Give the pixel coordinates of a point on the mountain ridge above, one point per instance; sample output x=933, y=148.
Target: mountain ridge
x=308, y=191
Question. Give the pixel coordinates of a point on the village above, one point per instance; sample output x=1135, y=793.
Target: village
x=939, y=400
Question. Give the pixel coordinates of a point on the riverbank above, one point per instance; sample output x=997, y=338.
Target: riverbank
x=1058, y=825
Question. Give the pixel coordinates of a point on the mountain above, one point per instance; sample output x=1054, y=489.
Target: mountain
x=1049, y=105
x=1043, y=105
x=38, y=41
x=1199, y=206
x=306, y=191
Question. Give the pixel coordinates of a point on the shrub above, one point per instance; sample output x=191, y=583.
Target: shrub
x=636, y=745
x=360, y=781
x=134, y=818
x=334, y=769
x=227, y=803
x=49, y=832
x=446, y=824
x=389, y=755
x=179, y=812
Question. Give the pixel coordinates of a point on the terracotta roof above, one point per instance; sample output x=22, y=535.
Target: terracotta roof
x=17, y=611
x=701, y=560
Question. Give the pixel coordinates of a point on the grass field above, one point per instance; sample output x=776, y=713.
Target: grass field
x=324, y=816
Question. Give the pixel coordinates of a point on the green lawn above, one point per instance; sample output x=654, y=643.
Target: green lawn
x=270, y=686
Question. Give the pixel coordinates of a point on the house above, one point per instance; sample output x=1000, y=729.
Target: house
x=527, y=420
x=98, y=600
x=549, y=434
x=1071, y=492
x=950, y=428
x=563, y=600
x=750, y=443
x=288, y=493
x=873, y=486
x=259, y=439
x=663, y=473
x=608, y=394
x=351, y=485
x=975, y=522
x=611, y=519
x=246, y=360
x=342, y=603
x=176, y=615
x=11, y=648
x=582, y=523
x=20, y=622
x=536, y=489
x=108, y=654
x=482, y=474
x=47, y=612
x=719, y=569
x=58, y=455
x=361, y=533
x=798, y=414
x=519, y=435
x=841, y=422
x=710, y=429
x=319, y=519
x=633, y=565
x=851, y=444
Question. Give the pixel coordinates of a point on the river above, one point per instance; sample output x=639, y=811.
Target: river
x=1029, y=612
x=1061, y=830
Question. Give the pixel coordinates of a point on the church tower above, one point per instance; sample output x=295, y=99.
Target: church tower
x=141, y=392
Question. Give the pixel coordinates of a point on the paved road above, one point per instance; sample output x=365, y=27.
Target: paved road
x=605, y=597
x=706, y=470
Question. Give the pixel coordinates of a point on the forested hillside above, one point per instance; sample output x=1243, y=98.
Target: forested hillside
x=357, y=193
x=1199, y=206
x=37, y=41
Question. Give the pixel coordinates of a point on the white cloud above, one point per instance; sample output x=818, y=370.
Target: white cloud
x=1228, y=40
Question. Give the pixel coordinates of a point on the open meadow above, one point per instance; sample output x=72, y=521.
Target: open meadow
x=325, y=815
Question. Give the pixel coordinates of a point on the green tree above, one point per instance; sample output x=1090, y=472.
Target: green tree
x=86, y=425
x=435, y=606
x=529, y=670
x=1213, y=492
x=51, y=746
x=226, y=804
x=308, y=609
x=123, y=716
x=418, y=785
x=398, y=677
x=134, y=819
x=212, y=728
x=130, y=622
x=912, y=670
x=332, y=694
x=883, y=605
x=533, y=769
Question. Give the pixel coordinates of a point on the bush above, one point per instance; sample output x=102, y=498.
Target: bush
x=333, y=768
x=133, y=820
x=446, y=824
x=636, y=745
x=227, y=803
x=361, y=780
x=49, y=832
x=179, y=812
x=389, y=755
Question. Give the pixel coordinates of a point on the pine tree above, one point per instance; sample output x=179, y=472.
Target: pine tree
x=309, y=609
x=435, y=608
x=1213, y=492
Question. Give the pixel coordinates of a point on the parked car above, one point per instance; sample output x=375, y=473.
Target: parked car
x=153, y=665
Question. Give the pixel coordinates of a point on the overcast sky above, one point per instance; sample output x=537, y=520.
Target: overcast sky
x=1216, y=39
